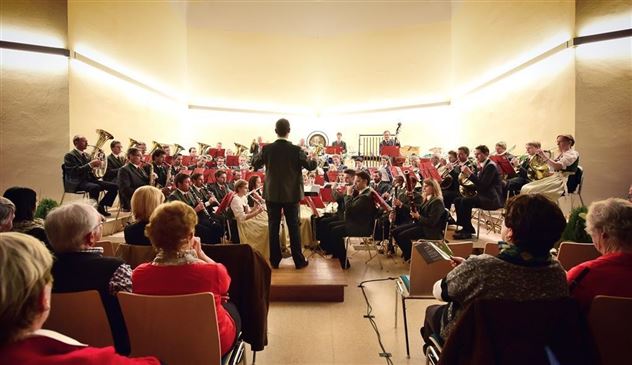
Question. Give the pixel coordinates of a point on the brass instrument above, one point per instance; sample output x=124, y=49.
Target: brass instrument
x=466, y=186
x=132, y=143
x=155, y=146
x=179, y=149
x=446, y=178
x=98, y=154
x=152, y=175
x=203, y=148
x=537, y=169
x=240, y=149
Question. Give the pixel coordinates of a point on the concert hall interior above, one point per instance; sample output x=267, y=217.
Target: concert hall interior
x=442, y=74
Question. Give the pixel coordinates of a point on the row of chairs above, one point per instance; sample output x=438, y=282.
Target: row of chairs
x=418, y=284
x=187, y=336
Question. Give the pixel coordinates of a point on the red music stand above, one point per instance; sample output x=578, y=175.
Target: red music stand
x=169, y=159
x=504, y=164
x=397, y=171
x=333, y=150
x=188, y=160
x=186, y=172
x=428, y=171
x=318, y=202
x=209, y=175
x=332, y=176
x=319, y=180
x=232, y=161
x=390, y=151
x=225, y=203
x=326, y=195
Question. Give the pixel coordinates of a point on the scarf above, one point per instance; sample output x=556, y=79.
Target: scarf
x=174, y=259
x=515, y=255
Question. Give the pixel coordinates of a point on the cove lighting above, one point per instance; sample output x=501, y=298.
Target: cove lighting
x=34, y=48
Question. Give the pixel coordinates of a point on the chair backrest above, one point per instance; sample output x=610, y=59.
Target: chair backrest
x=491, y=248
x=135, y=255
x=610, y=320
x=462, y=249
x=108, y=248
x=81, y=316
x=179, y=329
x=424, y=275
x=572, y=254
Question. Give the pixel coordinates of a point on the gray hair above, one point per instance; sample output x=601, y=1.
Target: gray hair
x=68, y=225
x=612, y=216
x=6, y=208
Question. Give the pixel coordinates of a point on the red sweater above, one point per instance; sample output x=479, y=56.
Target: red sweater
x=151, y=279
x=610, y=274
x=51, y=348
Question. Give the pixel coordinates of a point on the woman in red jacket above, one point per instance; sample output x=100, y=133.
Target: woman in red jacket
x=25, y=293
x=181, y=267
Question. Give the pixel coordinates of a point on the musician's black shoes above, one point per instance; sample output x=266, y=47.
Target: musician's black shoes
x=102, y=211
x=463, y=235
x=302, y=265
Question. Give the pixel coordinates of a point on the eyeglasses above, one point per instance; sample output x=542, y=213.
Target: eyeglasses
x=102, y=220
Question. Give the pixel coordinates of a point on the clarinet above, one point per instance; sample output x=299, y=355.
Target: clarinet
x=198, y=201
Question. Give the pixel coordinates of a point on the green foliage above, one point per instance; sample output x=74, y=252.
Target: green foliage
x=45, y=206
x=576, y=227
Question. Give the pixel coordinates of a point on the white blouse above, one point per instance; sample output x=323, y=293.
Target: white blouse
x=239, y=205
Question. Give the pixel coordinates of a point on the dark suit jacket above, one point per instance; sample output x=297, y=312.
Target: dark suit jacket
x=135, y=234
x=360, y=213
x=129, y=179
x=218, y=191
x=76, y=170
x=488, y=186
x=161, y=171
x=431, y=219
x=284, y=162
x=114, y=164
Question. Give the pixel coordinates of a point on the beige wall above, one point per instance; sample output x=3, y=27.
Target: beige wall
x=33, y=98
x=535, y=103
x=604, y=102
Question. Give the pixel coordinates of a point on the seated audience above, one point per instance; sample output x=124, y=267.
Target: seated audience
x=25, y=303
x=24, y=221
x=144, y=201
x=428, y=222
x=7, y=212
x=73, y=230
x=181, y=267
x=523, y=271
x=609, y=222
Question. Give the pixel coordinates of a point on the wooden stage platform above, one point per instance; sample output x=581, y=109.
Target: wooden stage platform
x=322, y=281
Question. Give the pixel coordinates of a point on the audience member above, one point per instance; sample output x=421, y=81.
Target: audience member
x=181, y=267
x=25, y=303
x=73, y=231
x=7, y=212
x=144, y=201
x=25, y=200
x=523, y=271
x=609, y=223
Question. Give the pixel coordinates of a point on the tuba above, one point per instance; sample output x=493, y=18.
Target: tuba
x=240, y=149
x=179, y=149
x=155, y=146
x=203, y=147
x=98, y=154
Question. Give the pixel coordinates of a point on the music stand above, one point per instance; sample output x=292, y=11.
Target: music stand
x=209, y=175
x=390, y=151
x=186, y=172
x=232, y=161
x=428, y=171
x=504, y=165
x=169, y=159
x=333, y=150
x=188, y=160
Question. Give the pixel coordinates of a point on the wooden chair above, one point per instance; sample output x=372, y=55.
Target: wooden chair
x=572, y=254
x=108, y=248
x=135, y=255
x=610, y=320
x=178, y=329
x=418, y=284
x=491, y=248
x=81, y=316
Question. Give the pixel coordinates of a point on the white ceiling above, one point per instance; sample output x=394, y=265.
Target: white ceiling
x=314, y=19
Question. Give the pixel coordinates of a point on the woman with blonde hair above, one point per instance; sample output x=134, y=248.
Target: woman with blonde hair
x=181, y=267
x=427, y=222
x=252, y=223
x=25, y=303
x=144, y=201
x=609, y=223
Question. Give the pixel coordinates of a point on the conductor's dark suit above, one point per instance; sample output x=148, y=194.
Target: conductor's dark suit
x=283, y=189
x=78, y=176
x=129, y=179
x=489, y=195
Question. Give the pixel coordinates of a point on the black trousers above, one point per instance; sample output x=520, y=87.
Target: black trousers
x=94, y=187
x=210, y=230
x=464, y=212
x=449, y=196
x=291, y=213
x=514, y=185
x=323, y=231
x=338, y=232
x=432, y=323
x=404, y=236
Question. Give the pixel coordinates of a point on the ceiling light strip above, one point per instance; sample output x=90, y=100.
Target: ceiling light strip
x=237, y=110
x=602, y=37
x=393, y=108
x=34, y=48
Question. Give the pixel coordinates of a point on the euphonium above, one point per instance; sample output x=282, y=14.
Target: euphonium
x=179, y=149
x=203, y=147
x=240, y=149
x=133, y=143
x=98, y=154
x=155, y=146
